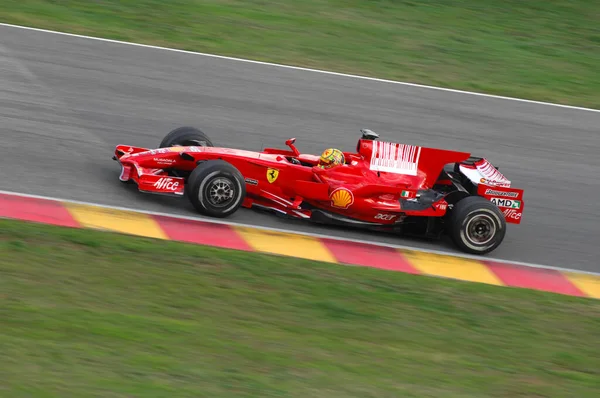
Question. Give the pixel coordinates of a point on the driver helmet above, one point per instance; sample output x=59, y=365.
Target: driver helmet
x=331, y=157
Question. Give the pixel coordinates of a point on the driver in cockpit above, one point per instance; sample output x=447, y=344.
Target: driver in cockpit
x=331, y=157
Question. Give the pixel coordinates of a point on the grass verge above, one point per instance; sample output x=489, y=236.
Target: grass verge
x=539, y=49
x=87, y=313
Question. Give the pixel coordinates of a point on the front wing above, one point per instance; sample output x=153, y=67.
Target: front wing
x=148, y=180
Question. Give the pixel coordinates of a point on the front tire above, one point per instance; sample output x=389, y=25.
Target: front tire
x=477, y=226
x=185, y=136
x=216, y=188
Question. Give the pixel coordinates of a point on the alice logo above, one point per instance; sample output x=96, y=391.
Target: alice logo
x=341, y=198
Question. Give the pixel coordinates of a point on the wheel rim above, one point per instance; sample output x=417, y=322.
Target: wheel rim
x=481, y=229
x=220, y=192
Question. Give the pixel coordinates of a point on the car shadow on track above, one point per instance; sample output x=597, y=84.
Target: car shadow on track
x=263, y=218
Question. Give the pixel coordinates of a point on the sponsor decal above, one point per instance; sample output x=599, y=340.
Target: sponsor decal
x=491, y=174
x=501, y=202
x=395, y=158
x=341, y=198
x=386, y=217
x=166, y=183
x=494, y=183
x=164, y=160
x=251, y=181
x=161, y=150
x=441, y=206
x=408, y=195
x=272, y=175
x=176, y=149
x=512, y=214
x=494, y=192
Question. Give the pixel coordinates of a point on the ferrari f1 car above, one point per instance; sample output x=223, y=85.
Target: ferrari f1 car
x=382, y=185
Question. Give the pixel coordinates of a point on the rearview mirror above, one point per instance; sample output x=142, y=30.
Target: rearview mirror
x=290, y=143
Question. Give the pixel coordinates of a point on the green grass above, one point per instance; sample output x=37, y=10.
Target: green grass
x=88, y=313
x=538, y=49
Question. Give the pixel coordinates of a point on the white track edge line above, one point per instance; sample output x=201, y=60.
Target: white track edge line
x=451, y=90
x=308, y=234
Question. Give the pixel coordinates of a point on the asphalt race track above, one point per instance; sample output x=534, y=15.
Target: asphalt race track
x=65, y=102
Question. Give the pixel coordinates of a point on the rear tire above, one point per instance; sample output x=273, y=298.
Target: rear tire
x=185, y=136
x=216, y=188
x=477, y=226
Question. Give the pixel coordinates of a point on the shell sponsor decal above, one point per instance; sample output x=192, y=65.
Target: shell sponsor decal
x=341, y=198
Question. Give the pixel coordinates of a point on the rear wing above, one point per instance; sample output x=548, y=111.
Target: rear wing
x=481, y=171
x=495, y=187
x=485, y=179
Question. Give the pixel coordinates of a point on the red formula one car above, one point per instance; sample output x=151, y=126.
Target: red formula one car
x=383, y=185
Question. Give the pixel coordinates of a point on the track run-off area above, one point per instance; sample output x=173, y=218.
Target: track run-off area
x=66, y=101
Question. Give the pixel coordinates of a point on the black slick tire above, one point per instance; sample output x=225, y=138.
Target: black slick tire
x=185, y=136
x=216, y=188
x=477, y=226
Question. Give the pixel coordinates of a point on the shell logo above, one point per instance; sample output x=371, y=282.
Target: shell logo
x=341, y=198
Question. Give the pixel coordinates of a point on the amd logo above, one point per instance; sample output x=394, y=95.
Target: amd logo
x=501, y=202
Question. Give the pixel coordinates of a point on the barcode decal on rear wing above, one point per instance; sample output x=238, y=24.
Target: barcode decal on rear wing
x=395, y=158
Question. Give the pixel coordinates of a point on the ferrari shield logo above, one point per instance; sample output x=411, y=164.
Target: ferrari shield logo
x=272, y=175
